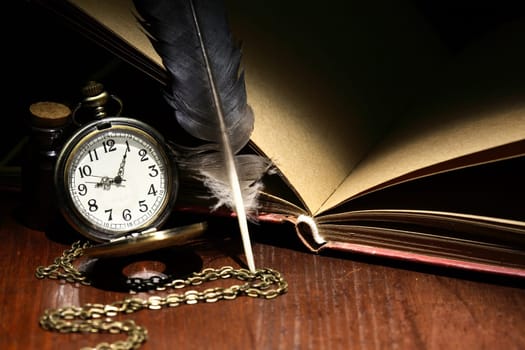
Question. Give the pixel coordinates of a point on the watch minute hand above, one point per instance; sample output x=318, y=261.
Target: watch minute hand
x=118, y=179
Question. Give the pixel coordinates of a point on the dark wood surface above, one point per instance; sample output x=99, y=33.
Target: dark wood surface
x=333, y=302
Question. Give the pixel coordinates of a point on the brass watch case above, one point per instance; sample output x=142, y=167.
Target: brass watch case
x=142, y=238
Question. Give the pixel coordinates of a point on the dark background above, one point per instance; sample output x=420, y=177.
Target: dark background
x=45, y=59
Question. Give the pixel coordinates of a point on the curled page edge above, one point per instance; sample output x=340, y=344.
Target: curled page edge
x=308, y=220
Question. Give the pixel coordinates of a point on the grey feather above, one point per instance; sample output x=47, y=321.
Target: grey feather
x=208, y=95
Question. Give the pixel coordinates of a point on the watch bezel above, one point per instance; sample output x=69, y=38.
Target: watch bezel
x=65, y=202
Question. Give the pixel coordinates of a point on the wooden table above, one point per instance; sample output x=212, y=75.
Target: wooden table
x=333, y=302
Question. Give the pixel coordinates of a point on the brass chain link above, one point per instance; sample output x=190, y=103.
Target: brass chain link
x=98, y=318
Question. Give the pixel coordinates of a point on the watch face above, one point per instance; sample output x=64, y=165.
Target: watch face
x=113, y=177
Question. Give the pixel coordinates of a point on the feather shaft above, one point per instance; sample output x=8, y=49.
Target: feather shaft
x=228, y=152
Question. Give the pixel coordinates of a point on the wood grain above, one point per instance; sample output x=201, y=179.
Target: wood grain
x=333, y=302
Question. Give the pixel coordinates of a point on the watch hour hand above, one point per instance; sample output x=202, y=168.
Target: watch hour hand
x=105, y=182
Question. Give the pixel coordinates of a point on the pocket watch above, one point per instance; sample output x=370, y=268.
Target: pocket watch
x=116, y=183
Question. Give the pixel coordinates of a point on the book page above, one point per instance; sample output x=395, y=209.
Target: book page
x=323, y=81
x=320, y=81
x=479, y=105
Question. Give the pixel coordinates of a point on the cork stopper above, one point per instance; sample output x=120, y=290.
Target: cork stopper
x=49, y=114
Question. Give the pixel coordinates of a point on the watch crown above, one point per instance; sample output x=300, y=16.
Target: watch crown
x=94, y=94
x=92, y=88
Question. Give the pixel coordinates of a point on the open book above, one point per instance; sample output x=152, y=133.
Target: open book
x=386, y=142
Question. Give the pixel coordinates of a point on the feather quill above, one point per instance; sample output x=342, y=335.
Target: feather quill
x=208, y=95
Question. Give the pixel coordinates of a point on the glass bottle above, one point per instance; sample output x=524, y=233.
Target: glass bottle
x=47, y=123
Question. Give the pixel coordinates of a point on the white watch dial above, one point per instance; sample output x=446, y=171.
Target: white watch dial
x=118, y=180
